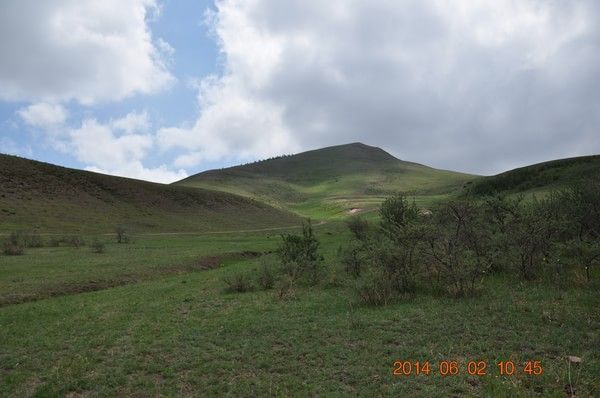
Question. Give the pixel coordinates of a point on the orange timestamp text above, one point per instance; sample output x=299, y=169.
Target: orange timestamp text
x=471, y=368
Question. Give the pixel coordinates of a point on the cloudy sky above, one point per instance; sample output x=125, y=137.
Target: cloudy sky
x=159, y=90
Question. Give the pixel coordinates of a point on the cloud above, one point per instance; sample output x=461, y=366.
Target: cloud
x=104, y=150
x=478, y=86
x=132, y=122
x=43, y=115
x=87, y=51
x=117, y=147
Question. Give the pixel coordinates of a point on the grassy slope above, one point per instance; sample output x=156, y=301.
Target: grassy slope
x=538, y=178
x=179, y=335
x=43, y=197
x=328, y=181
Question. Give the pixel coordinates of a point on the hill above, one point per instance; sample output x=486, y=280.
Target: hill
x=538, y=178
x=43, y=197
x=330, y=181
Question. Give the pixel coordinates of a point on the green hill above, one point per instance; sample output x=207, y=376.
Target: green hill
x=42, y=197
x=331, y=181
x=538, y=178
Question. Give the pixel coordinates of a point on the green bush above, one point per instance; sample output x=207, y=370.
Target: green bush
x=375, y=288
x=458, y=247
x=238, y=283
x=299, y=254
x=396, y=212
x=266, y=276
x=359, y=227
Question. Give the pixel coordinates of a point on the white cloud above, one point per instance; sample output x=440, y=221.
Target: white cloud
x=104, y=150
x=79, y=49
x=43, y=115
x=464, y=85
x=132, y=122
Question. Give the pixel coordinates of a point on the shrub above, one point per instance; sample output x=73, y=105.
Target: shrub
x=396, y=212
x=238, y=283
x=458, y=247
x=14, y=245
x=375, y=289
x=286, y=288
x=359, y=227
x=353, y=258
x=121, y=235
x=266, y=277
x=98, y=247
x=299, y=253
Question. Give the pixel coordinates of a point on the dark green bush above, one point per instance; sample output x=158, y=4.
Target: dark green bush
x=359, y=227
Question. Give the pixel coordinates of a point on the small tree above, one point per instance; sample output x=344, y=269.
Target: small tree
x=458, y=246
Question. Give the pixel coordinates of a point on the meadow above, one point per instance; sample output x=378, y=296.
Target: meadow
x=217, y=293
x=171, y=330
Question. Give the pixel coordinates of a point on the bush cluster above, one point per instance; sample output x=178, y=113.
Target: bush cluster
x=299, y=262
x=452, y=248
x=16, y=243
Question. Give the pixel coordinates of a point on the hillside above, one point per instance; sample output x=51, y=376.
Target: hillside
x=541, y=177
x=42, y=197
x=331, y=181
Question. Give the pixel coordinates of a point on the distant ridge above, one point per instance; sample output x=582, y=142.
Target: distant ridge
x=44, y=197
x=543, y=176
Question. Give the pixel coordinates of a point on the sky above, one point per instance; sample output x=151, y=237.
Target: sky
x=159, y=90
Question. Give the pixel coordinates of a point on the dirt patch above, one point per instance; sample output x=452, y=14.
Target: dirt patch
x=355, y=210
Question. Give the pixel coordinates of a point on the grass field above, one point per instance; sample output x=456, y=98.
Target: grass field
x=152, y=318
x=172, y=331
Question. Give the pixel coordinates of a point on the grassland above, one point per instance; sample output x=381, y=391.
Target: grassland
x=179, y=334
x=47, y=198
x=151, y=318
x=331, y=181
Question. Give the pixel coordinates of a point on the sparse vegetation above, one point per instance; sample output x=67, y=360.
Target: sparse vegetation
x=238, y=283
x=121, y=235
x=14, y=246
x=98, y=246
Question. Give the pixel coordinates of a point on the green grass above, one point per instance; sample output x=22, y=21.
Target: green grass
x=42, y=197
x=181, y=335
x=331, y=181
